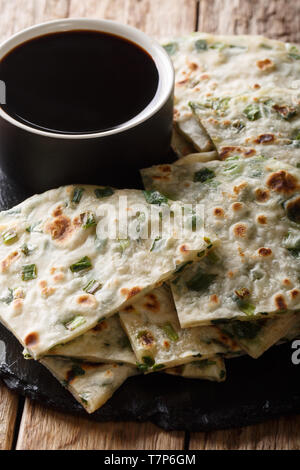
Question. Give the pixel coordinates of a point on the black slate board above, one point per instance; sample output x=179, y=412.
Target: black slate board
x=254, y=391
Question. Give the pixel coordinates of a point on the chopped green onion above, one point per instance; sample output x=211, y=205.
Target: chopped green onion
x=181, y=267
x=252, y=112
x=123, y=244
x=204, y=175
x=83, y=263
x=31, y=228
x=204, y=363
x=75, y=322
x=200, y=281
x=27, y=249
x=218, y=45
x=88, y=220
x=92, y=287
x=201, y=45
x=29, y=272
x=155, y=197
x=245, y=306
x=142, y=367
x=170, y=332
x=158, y=367
x=155, y=244
x=171, y=48
x=148, y=360
x=77, y=370
x=9, y=297
x=103, y=192
x=77, y=195
x=9, y=236
x=246, y=329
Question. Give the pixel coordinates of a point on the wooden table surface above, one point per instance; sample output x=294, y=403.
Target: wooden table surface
x=28, y=425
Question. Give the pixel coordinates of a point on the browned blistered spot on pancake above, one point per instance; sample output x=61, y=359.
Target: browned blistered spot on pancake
x=286, y=282
x=101, y=326
x=241, y=253
x=31, y=339
x=9, y=260
x=293, y=207
x=226, y=152
x=262, y=219
x=265, y=64
x=294, y=293
x=60, y=228
x=230, y=274
x=265, y=139
x=240, y=230
x=47, y=291
x=280, y=302
x=57, y=211
x=193, y=66
x=183, y=249
x=187, y=185
x=264, y=251
x=146, y=338
x=176, y=113
x=214, y=298
x=166, y=344
x=108, y=373
x=262, y=195
x=236, y=206
x=218, y=212
x=242, y=293
x=152, y=302
x=161, y=177
x=226, y=122
x=205, y=76
x=86, y=299
x=129, y=308
x=282, y=182
x=52, y=270
x=284, y=110
x=43, y=284
x=182, y=82
x=227, y=341
x=240, y=187
x=164, y=168
x=58, y=277
x=249, y=152
x=17, y=304
x=130, y=292
x=256, y=86
x=78, y=220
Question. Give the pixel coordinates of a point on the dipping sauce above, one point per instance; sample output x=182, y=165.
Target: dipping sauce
x=77, y=82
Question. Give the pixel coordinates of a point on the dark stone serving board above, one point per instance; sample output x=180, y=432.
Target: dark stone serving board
x=255, y=390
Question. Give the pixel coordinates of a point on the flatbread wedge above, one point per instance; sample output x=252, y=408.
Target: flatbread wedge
x=255, y=337
x=106, y=342
x=242, y=89
x=66, y=261
x=206, y=369
x=91, y=384
x=158, y=341
x=253, y=205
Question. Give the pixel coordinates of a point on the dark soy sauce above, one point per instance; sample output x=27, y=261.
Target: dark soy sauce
x=77, y=82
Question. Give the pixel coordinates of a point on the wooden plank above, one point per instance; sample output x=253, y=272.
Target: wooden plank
x=8, y=414
x=159, y=18
x=19, y=14
x=280, y=434
x=42, y=428
x=273, y=18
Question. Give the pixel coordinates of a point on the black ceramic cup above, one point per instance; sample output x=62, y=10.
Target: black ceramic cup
x=41, y=160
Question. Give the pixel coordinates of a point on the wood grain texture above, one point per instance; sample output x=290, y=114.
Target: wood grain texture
x=42, y=428
x=159, y=18
x=273, y=18
x=8, y=414
x=280, y=434
x=19, y=14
